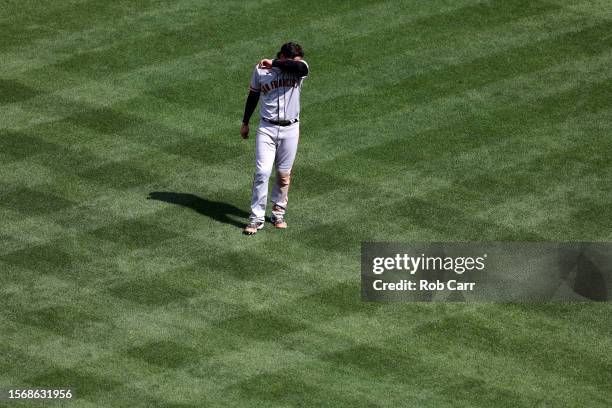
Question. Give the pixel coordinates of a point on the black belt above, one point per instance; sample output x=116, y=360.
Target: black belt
x=281, y=122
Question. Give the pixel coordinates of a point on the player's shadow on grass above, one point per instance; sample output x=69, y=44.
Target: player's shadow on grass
x=216, y=210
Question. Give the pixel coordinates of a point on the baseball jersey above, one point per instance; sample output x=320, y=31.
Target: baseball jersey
x=279, y=92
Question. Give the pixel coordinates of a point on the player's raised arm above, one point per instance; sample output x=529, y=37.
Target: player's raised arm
x=289, y=65
x=294, y=66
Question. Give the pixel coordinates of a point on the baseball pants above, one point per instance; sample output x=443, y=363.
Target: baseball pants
x=276, y=147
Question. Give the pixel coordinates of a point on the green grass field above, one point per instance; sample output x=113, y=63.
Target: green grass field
x=125, y=183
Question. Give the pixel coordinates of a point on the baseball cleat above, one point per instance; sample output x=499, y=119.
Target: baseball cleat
x=252, y=228
x=279, y=223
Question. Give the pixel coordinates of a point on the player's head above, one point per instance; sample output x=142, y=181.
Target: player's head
x=290, y=50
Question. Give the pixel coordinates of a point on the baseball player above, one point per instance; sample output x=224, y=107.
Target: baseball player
x=278, y=83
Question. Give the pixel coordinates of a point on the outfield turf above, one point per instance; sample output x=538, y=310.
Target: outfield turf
x=124, y=185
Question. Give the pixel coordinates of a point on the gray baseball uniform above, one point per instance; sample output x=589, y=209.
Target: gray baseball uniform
x=277, y=136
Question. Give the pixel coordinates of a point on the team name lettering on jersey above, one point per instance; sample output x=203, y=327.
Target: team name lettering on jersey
x=280, y=83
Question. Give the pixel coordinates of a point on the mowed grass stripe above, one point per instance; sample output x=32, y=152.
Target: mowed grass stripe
x=499, y=127
x=153, y=352
x=119, y=318
x=443, y=158
x=86, y=275
x=478, y=334
x=205, y=29
x=142, y=358
x=487, y=101
x=415, y=91
x=528, y=153
x=419, y=46
x=132, y=21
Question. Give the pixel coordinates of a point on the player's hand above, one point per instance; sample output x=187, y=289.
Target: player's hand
x=244, y=131
x=265, y=64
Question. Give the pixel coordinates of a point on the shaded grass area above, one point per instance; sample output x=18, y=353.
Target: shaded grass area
x=125, y=275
